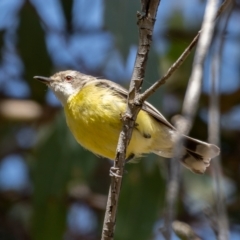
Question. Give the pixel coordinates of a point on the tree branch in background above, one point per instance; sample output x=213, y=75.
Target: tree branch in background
x=221, y=223
x=195, y=82
x=146, y=23
x=189, y=110
x=20, y=110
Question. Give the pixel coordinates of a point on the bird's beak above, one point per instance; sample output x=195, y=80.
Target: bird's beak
x=45, y=80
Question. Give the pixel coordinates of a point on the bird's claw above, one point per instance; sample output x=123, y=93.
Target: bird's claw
x=114, y=172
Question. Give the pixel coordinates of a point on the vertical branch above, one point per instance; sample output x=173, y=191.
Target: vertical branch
x=146, y=22
x=189, y=110
x=222, y=230
x=172, y=189
x=195, y=82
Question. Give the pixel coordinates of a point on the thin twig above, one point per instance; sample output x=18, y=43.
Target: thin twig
x=146, y=23
x=179, y=61
x=222, y=229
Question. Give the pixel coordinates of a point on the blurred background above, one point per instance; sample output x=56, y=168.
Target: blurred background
x=50, y=187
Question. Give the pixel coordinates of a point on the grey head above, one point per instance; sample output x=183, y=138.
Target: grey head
x=65, y=84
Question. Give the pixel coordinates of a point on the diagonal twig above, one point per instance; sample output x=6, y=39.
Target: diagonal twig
x=180, y=60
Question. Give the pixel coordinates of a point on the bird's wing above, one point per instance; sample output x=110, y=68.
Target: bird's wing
x=124, y=93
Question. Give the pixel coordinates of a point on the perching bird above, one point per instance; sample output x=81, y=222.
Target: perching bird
x=93, y=109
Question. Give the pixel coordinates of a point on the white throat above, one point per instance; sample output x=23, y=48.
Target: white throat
x=63, y=91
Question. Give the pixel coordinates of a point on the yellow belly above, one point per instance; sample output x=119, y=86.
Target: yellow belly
x=94, y=117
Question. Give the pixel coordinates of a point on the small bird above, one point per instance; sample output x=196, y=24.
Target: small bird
x=93, y=109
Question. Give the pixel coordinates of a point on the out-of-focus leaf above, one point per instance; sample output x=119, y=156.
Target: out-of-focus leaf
x=179, y=39
x=228, y=100
x=141, y=200
x=67, y=8
x=1, y=43
x=8, y=141
x=120, y=19
x=56, y=157
x=151, y=76
x=32, y=49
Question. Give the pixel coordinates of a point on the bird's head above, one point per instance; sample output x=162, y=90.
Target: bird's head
x=64, y=84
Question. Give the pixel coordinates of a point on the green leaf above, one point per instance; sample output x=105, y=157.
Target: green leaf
x=57, y=155
x=32, y=50
x=2, y=32
x=141, y=200
x=67, y=8
x=151, y=76
x=121, y=20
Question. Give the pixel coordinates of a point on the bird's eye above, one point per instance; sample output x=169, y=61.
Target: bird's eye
x=68, y=78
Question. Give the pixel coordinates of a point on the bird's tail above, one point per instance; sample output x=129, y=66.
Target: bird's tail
x=197, y=154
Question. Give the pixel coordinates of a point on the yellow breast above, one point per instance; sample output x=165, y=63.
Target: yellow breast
x=94, y=117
